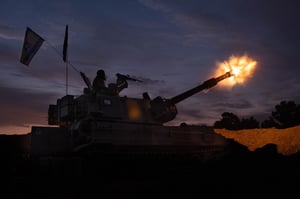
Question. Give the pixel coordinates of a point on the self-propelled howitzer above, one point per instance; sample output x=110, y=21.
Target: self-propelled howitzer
x=123, y=124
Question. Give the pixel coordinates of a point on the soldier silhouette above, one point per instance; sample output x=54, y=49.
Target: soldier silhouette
x=99, y=85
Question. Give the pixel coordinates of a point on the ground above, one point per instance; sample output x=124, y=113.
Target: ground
x=243, y=173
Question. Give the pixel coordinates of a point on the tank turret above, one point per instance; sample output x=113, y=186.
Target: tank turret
x=110, y=105
x=164, y=110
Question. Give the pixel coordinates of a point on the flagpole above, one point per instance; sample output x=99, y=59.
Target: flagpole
x=67, y=77
x=65, y=56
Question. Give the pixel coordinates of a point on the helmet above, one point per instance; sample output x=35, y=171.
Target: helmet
x=101, y=74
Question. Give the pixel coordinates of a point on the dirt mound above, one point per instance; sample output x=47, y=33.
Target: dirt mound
x=287, y=140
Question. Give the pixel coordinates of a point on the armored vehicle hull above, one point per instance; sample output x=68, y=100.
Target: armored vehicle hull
x=128, y=140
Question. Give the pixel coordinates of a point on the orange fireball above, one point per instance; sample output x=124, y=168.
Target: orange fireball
x=240, y=68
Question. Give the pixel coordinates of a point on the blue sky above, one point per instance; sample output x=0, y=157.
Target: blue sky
x=173, y=45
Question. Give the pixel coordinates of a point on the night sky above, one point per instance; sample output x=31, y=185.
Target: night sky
x=172, y=45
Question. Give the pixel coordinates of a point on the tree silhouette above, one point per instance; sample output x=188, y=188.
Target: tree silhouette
x=249, y=123
x=229, y=121
x=269, y=123
x=287, y=114
x=232, y=122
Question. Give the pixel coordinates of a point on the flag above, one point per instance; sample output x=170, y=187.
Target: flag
x=65, y=49
x=32, y=43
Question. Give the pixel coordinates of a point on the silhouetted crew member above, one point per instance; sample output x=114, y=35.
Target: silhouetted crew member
x=99, y=82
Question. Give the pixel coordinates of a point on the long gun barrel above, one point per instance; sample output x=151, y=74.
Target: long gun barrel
x=205, y=85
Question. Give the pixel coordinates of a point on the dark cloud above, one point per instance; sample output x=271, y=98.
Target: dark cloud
x=10, y=32
x=7, y=53
x=237, y=104
x=238, y=26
